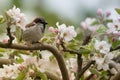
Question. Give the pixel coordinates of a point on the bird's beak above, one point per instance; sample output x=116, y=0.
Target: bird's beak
x=46, y=23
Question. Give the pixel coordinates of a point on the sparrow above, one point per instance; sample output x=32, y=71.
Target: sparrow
x=34, y=31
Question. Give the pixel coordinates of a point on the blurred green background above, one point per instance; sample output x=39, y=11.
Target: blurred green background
x=70, y=12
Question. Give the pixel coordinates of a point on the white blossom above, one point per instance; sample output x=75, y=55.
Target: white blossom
x=102, y=46
x=103, y=62
x=66, y=33
x=30, y=60
x=114, y=28
x=17, y=17
x=9, y=71
x=87, y=24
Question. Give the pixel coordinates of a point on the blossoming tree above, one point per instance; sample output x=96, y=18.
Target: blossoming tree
x=61, y=54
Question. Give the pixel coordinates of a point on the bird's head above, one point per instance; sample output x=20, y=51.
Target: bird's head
x=40, y=20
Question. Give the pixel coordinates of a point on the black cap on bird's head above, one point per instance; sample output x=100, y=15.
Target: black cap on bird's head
x=40, y=20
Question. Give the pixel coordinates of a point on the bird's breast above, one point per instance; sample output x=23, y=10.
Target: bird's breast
x=32, y=34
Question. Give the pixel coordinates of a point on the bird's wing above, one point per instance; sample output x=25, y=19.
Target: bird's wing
x=30, y=25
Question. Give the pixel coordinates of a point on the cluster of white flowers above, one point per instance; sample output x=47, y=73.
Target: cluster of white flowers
x=12, y=71
x=103, y=62
x=104, y=57
x=40, y=64
x=63, y=32
x=17, y=17
x=66, y=33
x=9, y=71
x=102, y=46
x=114, y=28
x=87, y=24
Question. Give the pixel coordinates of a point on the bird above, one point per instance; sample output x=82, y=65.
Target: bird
x=34, y=31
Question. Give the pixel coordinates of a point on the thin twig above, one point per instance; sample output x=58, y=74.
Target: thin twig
x=85, y=68
x=90, y=77
x=5, y=61
x=11, y=38
x=113, y=49
x=79, y=57
x=87, y=39
x=79, y=64
x=48, y=47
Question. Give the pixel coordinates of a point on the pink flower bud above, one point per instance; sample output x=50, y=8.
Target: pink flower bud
x=56, y=30
x=119, y=19
x=51, y=29
x=21, y=67
x=113, y=39
x=108, y=13
x=31, y=72
x=116, y=33
x=94, y=77
x=5, y=40
x=100, y=12
x=58, y=42
x=108, y=32
x=83, y=25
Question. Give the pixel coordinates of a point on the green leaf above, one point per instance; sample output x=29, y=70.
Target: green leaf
x=109, y=20
x=79, y=36
x=104, y=73
x=2, y=20
x=95, y=23
x=89, y=47
x=115, y=43
x=2, y=50
x=41, y=75
x=117, y=10
x=84, y=51
x=1, y=55
x=67, y=55
x=21, y=76
x=73, y=44
x=82, y=78
x=18, y=52
x=51, y=57
x=94, y=71
x=102, y=29
x=20, y=60
x=18, y=34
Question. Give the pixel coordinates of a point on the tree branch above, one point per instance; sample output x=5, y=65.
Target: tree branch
x=116, y=77
x=48, y=47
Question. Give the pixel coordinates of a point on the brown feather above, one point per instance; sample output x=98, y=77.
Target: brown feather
x=30, y=25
